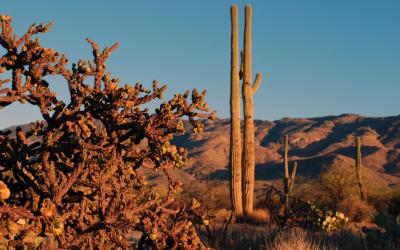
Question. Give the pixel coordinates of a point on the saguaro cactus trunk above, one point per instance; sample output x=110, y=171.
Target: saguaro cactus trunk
x=235, y=157
x=248, y=90
x=286, y=169
x=288, y=181
x=363, y=195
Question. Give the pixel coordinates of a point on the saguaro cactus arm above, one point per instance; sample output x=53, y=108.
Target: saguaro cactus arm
x=257, y=82
x=292, y=178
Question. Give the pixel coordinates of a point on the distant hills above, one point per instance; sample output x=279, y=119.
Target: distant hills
x=315, y=143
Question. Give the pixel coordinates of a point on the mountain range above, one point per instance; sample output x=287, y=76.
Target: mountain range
x=316, y=144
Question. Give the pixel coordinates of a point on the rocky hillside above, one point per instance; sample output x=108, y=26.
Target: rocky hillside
x=315, y=143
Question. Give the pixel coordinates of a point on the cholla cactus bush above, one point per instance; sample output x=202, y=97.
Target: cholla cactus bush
x=79, y=185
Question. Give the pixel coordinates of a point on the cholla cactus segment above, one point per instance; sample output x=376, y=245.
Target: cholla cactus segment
x=48, y=208
x=4, y=191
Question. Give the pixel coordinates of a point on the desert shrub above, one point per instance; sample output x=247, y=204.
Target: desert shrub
x=388, y=236
x=394, y=203
x=332, y=187
x=301, y=213
x=385, y=199
x=237, y=236
x=259, y=216
x=356, y=209
x=213, y=195
x=274, y=202
x=73, y=177
x=336, y=189
x=337, y=184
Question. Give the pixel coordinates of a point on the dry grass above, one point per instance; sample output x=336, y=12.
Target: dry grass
x=249, y=236
x=297, y=239
x=258, y=217
x=211, y=194
x=237, y=237
x=244, y=236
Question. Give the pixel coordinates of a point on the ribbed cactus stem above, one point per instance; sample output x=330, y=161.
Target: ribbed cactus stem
x=235, y=135
x=286, y=179
x=358, y=169
x=247, y=57
x=292, y=179
x=248, y=90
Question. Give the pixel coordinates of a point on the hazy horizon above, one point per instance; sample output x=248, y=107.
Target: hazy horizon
x=318, y=58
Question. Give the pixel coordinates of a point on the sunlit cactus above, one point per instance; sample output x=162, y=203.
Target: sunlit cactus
x=242, y=159
x=80, y=184
x=248, y=90
x=235, y=157
x=288, y=180
x=4, y=191
x=361, y=187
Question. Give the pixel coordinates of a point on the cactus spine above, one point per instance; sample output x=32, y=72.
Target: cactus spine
x=358, y=169
x=288, y=181
x=248, y=90
x=235, y=157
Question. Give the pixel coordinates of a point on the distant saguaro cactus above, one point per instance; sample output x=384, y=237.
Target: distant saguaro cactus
x=248, y=104
x=288, y=181
x=235, y=156
x=363, y=195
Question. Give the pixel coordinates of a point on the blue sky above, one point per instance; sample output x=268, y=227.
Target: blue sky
x=318, y=57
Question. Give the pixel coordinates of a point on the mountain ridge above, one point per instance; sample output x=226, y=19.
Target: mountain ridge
x=316, y=143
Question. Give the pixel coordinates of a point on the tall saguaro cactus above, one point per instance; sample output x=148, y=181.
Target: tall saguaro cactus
x=242, y=160
x=288, y=181
x=235, y=157
x=248, y=90
x=358, y=169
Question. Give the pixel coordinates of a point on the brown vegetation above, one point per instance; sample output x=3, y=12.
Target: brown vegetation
x=80, y=184
x=356, y=209
x=88, y=175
